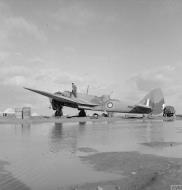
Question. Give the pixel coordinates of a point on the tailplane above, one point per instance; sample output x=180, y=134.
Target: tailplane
x=155, y=100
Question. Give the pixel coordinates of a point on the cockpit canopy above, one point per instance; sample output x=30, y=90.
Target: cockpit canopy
x=65, y=93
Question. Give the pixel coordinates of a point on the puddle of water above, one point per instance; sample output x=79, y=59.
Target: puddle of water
x=46, y=156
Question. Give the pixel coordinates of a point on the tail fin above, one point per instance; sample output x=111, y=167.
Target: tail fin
x=155, y=100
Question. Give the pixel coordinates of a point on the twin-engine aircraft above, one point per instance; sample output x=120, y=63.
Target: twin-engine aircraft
x=152, y=103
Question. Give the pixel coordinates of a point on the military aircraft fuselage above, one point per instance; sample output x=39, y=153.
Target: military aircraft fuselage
x=123, y=107
x=104, y=103
x=80, y=97
x=152, y=103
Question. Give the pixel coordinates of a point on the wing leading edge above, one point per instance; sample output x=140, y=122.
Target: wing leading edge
x=63, y=99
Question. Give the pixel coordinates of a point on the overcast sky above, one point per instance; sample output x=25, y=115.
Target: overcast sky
x=123, y=47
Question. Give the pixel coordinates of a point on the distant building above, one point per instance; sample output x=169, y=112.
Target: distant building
x=23, y=113
x=9, y=112
x=26, y=112
x=18, y=113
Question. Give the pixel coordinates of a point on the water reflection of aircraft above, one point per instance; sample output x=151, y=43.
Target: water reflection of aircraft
x=63, y=139
x=152, y=103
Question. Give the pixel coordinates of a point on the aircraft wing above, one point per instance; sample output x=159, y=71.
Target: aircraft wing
x=140, y=108
x=64, y=99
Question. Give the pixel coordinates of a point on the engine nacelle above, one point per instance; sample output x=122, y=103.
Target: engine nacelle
x=55, y=104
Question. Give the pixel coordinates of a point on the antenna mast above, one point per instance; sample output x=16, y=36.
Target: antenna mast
x=87, y=89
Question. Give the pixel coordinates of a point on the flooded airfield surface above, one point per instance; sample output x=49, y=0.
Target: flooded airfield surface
x=51, y=155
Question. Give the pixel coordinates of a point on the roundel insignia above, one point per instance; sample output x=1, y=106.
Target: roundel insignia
x=110, y=105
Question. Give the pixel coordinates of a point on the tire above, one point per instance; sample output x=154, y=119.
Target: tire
x=95, y=115
x=58, y=113
x=82, y=113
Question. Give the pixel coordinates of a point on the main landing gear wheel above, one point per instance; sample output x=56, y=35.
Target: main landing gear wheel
x=59, y=113
x=82, y=113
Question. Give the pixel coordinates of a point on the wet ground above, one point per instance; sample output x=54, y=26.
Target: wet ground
x=125, y=154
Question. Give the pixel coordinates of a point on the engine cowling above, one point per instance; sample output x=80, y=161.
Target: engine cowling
x=55, y=104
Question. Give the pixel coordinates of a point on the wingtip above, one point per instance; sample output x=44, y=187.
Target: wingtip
x=26, y=88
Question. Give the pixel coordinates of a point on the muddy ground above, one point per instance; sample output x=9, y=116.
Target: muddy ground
x=138, y=171
x=8, y=181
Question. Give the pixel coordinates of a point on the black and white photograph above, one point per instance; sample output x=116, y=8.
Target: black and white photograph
x=90, y=95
